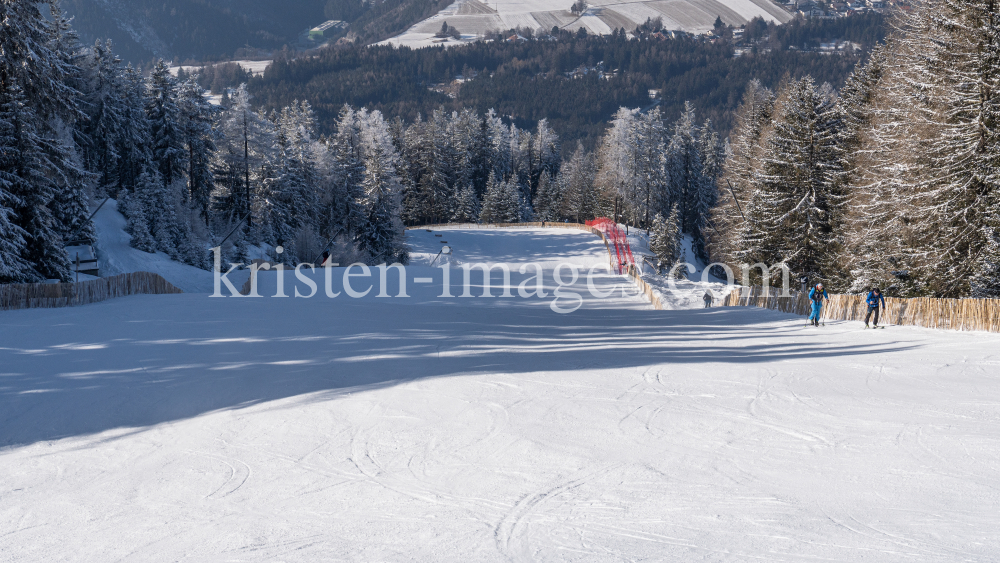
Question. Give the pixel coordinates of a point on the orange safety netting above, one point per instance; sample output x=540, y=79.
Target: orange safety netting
x=616, y=237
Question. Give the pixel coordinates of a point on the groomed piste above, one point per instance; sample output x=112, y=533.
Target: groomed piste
x=191, y=428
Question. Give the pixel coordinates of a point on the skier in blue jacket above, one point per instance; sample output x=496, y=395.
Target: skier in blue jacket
x=873, y=299
x=817, y=295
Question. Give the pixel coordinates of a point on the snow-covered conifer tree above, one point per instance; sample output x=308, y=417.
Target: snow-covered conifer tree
x=491, y=201
x=932, y=151
x=196, y=118
x=801, y=203
x=245, y=145
x=686, y=169
x=544, y=152
x=514, y=208
x=164, y=122
x=664, y=238
x=136, y=225
x=617, y=163
x=500, y=159
x=134, y=142
x=740, y=184
x=548, y=199
x=467, y=207
x=576, y=179
x=28, y=175
x=381, y=236
x=341, y=208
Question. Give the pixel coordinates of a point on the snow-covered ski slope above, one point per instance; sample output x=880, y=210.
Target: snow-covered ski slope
x=688, y=290
x=187, y=428
x=115, y=256
x=473, y=18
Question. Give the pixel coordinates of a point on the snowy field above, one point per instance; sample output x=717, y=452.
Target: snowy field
x=255, y=68
x=186, y=428
x=474, y=18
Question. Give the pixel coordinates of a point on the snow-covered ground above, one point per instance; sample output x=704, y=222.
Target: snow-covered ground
x=115, y=256
x=255, y=68
x=473, y=18
x=688, y=290
x=187, y=428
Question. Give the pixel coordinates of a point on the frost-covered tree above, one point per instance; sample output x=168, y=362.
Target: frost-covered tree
x=28, y=174
x=12, y=267
x=798, y=214
x=134, y=143
x=739, y=185
x=664, y=238
x=576, y=181
x=165, y=126
x=689, y=185
x=289, y=197
x=103, y=101
x=381, y=235
x=467, y=207
x=617, y=159
x=431, y=157
x=500, y=159
x=502, y=203
x=136, y=225
x=548, y=199
x=932, y=151
x=244, y=148
x=341, y=210
x=544, y=152
x=631, y=167
x=196, y=119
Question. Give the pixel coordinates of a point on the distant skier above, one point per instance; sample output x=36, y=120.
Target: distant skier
x=873, y=299
x=817, y=295
x=326, y=256
x=708, y=298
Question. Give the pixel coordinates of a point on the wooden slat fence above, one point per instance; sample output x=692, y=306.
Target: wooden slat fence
x=647, y=290
x=927, y=312
x=46, y=295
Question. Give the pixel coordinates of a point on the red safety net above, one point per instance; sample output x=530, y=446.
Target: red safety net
x=617, y=239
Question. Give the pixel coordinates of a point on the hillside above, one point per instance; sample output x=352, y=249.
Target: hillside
x=474, y=18
x=198, y=29
x=575, y=82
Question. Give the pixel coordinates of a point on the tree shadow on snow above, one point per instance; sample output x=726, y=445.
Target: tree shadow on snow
x=136, y=362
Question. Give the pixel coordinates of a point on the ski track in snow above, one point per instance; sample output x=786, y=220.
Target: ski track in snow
x=183, y=427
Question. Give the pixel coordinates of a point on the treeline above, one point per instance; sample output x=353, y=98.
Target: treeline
x=218, y=78
x=894, y=183
x=527, y=80
x=376, y=21
x=867, y=30
x=78, y=125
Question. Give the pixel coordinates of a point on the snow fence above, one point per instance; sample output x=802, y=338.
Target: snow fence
x=50, y=295
x=927, y=312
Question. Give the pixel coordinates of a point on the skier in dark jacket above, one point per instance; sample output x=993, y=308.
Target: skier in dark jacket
x=873, y=299
x=817, y=295
x=708, y=298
